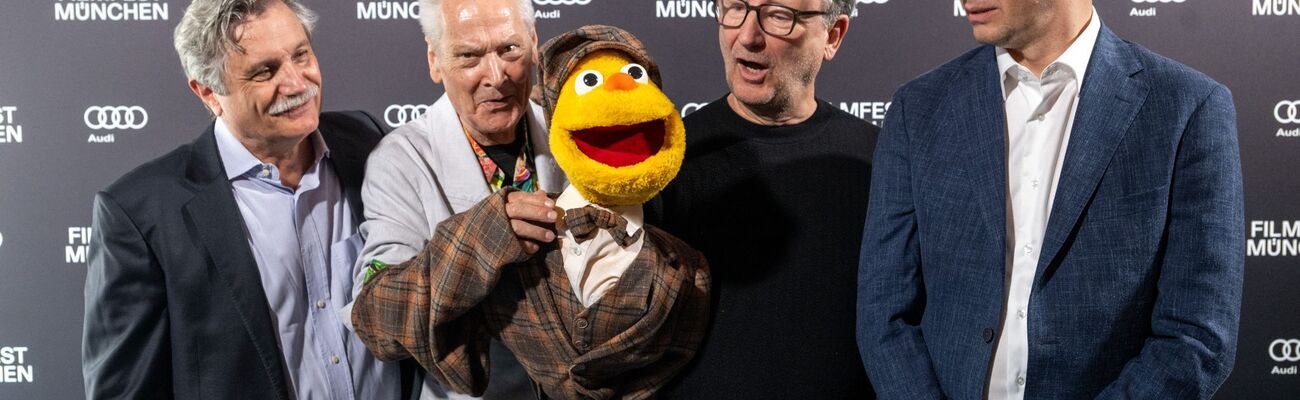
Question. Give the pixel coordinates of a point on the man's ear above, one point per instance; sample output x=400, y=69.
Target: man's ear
x=432, y=53
x=207, y=96
x=835, y=36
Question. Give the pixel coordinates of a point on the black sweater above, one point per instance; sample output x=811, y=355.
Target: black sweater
x=778, y=212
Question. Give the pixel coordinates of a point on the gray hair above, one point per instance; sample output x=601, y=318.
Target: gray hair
x=835, y=8
x=432, y=22
x=207, y=33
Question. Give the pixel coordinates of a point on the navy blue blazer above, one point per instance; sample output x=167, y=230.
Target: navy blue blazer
x=1138, y=286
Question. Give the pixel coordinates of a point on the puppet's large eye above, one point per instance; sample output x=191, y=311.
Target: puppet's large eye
x=637, y=72
x=587, y=80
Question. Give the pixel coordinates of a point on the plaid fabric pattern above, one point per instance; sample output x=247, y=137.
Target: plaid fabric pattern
x=585, y=222
x=562, y=53
x=473, y=281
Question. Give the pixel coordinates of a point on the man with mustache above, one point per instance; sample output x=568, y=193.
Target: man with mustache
x=773, y=191
x=222, y=269
x=481, y=136
x=1054, y=215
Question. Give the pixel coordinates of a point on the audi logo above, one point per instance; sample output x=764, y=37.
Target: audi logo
x=115, y=117
x=1284, y=350
x=399, y=114
x=561, y=2
x=1287, y=112
x=691, y=107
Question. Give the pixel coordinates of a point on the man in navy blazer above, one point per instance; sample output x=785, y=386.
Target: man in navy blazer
x=1056, y=214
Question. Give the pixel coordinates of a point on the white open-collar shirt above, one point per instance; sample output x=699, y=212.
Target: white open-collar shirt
x=1040, y=113
x=594, y=266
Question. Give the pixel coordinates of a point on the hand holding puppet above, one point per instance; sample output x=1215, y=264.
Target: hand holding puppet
x=614, y=308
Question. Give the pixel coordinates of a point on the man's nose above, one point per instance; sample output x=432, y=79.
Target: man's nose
x=496, y=73
x=750, y=33
x=293, y=79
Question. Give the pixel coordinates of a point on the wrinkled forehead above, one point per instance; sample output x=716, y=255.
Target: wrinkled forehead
x=481, y=21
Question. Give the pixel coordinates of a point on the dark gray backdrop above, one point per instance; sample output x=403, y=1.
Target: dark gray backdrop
x=61, y=60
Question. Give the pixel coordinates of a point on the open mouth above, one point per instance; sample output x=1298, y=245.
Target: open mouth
x=623, y=145
x=750, y=64
x=751, y=71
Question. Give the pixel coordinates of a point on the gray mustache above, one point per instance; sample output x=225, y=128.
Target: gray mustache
x=289, y=103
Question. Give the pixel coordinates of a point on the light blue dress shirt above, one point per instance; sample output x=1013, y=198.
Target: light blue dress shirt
x=305, y=243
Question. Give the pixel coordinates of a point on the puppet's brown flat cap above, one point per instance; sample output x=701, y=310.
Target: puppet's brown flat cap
x=562, y=53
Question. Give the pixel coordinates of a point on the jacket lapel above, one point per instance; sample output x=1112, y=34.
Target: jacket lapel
x=457, y=168
x=979, y=107
x=219, y=227
x=1108, y=101
x=349, y=164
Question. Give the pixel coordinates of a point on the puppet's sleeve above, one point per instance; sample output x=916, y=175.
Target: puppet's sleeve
x=427, y=308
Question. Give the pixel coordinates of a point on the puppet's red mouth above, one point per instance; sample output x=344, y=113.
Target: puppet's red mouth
x=623, y=145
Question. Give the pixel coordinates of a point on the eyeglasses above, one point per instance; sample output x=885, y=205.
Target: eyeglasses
x=775, y=19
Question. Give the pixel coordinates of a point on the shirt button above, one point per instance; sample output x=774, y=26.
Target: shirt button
x=577, y=251
x=334, y=359
x=582, y=344
x=1029, y=249
x=988, y=335
x=1039, y=118
x=1021, y=313
x=581, y=323
x=320, y=303
x=1034, y=183
x=1020, y=381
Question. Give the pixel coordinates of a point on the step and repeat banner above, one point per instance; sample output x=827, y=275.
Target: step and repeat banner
x=92, y=88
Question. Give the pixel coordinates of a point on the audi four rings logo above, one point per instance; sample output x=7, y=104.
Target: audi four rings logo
x=1284, y=350
x=1287, y=112
x=399, y=114
x=561, y=2
x=115, y=117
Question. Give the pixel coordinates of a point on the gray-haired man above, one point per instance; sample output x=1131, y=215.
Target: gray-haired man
x=483, y=134
x=220, y=269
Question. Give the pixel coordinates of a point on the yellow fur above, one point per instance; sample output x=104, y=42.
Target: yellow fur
x=599, y=183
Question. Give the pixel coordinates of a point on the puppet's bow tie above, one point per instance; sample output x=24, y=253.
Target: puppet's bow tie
x=585, y=222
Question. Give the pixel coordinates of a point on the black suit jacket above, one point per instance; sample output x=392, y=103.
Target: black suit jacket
x=174, y=302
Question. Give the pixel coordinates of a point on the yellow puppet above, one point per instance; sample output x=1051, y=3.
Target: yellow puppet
x=613, y=131
x=614, y=308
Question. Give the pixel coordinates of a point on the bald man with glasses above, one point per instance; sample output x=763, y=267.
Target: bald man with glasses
x=773, y=191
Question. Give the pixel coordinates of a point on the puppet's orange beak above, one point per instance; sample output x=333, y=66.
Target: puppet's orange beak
x=621, y=81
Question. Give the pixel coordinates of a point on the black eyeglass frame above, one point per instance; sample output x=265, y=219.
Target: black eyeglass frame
x=758, y=11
